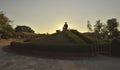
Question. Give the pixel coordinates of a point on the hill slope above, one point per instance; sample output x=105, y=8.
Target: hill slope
x=65, y=37
x=57, y=38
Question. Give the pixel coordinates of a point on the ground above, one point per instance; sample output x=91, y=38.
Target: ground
x=10, y=61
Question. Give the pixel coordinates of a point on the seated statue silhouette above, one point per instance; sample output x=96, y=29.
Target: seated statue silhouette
x=65, y=27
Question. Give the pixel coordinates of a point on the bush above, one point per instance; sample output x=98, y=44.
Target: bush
x=53, y=47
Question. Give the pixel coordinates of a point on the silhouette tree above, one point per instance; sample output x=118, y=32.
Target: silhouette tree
x=5, y=26
x=89, y=26
x=112, y=25
x=104, y=32
x=104, y=29
x=98, y=27
x=65, y=27
x=24, y=29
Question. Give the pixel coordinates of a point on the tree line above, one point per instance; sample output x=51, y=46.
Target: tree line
x=110, y=29
x=6, y=28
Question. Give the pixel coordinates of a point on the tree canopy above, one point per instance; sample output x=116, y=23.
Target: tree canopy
x=112, y=25
x=98, y=27
x=110, y=28
x=24, y=29
x=5, y=26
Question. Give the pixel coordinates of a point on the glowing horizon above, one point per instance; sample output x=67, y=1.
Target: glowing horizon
x=46, y=16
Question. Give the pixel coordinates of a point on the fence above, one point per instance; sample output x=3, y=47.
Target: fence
x=102, y=49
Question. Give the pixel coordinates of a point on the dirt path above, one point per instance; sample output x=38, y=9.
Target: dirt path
x=9, y=61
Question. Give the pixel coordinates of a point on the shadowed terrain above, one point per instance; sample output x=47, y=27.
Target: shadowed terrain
x=10, y=61
x=56, y=38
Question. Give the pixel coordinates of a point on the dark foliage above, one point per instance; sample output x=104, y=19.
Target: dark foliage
x=24, y=29
x=89, y=26
x=53, y=47
x=98, y=27
x=112, y=25
x=5, y=26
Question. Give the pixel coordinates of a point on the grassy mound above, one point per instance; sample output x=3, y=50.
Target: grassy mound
x=87, y=39
x=56, y=38
x=67, y=41
x=74, y=37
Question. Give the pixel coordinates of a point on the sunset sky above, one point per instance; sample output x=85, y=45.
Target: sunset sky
x=49, y=15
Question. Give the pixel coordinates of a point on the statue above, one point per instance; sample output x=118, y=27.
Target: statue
x=65, y=27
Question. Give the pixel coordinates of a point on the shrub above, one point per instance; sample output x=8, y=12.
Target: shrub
x=53, y=47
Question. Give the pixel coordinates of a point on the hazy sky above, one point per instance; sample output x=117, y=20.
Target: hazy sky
x=49, y=15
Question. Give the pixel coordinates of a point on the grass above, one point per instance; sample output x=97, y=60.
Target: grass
x=87, y=39
x=74, y=37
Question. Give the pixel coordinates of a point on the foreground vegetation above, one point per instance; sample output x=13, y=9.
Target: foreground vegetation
x=53, y=47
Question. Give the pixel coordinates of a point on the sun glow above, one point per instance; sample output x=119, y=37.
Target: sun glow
x=60, y=27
